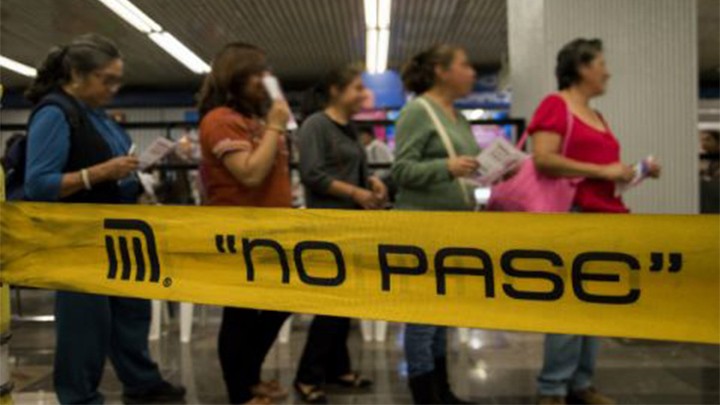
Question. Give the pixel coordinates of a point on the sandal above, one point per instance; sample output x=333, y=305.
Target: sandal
x=356, y=381
x=313, y=394
x=259, y=400
x=271, y=389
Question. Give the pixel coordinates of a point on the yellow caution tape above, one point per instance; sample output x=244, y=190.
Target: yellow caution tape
x=643, y=276
x=5, y=383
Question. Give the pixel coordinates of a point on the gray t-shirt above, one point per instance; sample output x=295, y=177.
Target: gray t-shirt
x=329, y=151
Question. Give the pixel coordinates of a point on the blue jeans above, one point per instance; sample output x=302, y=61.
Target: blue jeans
x=424, y=344
x=568, y=365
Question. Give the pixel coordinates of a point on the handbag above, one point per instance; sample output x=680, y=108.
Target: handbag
x=532, y=191
x=449, y=147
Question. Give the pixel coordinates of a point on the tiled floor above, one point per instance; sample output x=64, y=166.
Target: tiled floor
x=492, y=367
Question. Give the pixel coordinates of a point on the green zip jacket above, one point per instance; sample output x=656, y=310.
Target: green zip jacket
x=420, y=169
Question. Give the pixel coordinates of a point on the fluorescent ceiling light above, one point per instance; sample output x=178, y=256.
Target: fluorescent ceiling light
x=382, y=50
x=180, y=52
x=383, y=19
x=17, y=67
x=371, y=50
x=377, y=25
x=133, y=15
x=371, y=13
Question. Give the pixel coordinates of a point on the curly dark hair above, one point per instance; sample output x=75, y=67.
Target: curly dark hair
x=572, y=56
x=418, y=75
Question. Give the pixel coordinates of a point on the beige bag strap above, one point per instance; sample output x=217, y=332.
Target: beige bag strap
x=449, y=147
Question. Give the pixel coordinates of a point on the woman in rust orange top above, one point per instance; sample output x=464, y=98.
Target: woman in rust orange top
x=244, y=163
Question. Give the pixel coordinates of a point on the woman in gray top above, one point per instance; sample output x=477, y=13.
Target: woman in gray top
x=333, y=168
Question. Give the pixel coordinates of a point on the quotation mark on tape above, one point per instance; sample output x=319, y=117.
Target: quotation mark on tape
x=657, y=260
x=225, y=244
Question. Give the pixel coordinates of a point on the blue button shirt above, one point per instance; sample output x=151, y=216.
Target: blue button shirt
x=49, y=148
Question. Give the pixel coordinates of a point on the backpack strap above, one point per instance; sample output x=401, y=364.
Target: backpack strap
x=70, y=108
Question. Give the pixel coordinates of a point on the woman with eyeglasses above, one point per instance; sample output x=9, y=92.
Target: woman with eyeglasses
x=77, y=154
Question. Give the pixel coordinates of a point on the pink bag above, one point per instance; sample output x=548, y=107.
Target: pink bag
x=531, y=191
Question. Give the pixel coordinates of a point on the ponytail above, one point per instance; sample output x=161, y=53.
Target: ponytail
x=84, y=54
x=49, y=76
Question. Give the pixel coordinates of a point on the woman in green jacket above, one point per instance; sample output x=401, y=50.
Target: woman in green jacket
x=429, y=178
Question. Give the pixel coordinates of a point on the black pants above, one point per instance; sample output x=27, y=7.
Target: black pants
x=246, y=336
x=89, y=329
x=326, y=355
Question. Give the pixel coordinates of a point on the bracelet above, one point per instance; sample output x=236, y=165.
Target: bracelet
x=277, y=129
x=86, y=179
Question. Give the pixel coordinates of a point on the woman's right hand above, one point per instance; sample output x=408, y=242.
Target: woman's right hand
x=278, y=115
x=617, y=172
x=367, y=199
x=119, y=167
x=462, y=166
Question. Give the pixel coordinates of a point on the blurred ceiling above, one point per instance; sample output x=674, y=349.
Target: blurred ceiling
x=304, y=38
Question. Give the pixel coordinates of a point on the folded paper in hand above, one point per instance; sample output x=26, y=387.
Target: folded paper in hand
x=499, y=158
x=156, y=151
x=642, y=172
x=272, y=85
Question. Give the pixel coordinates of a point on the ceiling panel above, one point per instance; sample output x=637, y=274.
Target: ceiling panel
x=478, y=25
x=304, y=38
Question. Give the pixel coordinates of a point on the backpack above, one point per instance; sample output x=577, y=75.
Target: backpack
x=14, y=166
x=15, y=159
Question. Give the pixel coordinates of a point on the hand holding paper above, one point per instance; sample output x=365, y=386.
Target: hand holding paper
x=156, y=151
x=272, y=85
x=498, y=160
x=643, y=169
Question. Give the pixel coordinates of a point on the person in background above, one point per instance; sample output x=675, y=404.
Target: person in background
x=593, y=154
x=428, y=180
x=244, y=164
x=333, y=168
x=377, y=151
x=77, y=154
x=710, y=172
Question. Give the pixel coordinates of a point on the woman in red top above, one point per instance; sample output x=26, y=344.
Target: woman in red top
x=593, y=154
x=244, y=163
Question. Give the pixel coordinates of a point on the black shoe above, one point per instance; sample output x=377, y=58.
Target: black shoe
x=443, y=385
x=163, y=393
x=424, y=389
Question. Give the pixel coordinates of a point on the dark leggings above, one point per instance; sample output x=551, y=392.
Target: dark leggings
x=246, y=336
x=326, y=355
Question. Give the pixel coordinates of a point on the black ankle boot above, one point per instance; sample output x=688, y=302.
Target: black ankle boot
x=442, y=384
x=424, y=389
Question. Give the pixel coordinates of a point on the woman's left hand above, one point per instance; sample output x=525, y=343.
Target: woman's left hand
x=654, y=170
x=378, y=188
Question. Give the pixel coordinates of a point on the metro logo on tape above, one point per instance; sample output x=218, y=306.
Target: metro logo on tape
x=143, y=229
x=649, y=276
